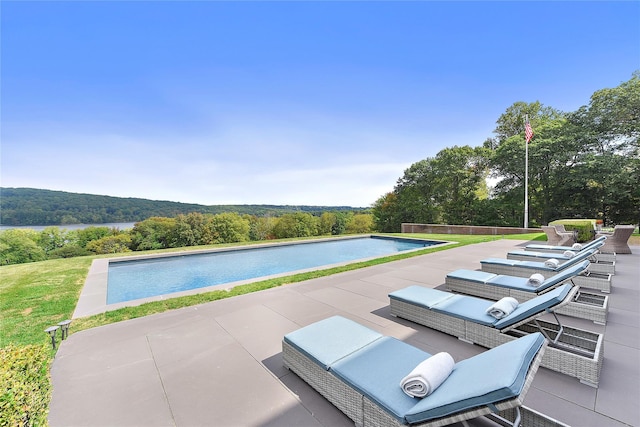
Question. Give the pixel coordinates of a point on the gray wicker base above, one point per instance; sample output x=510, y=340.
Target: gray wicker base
x=602, y=267
x=589, y=306
x=343, y=397
x=601, y=282
x=601, y=257
x=531, y=418
x=578, y=354
x=375, y=416
x=364, y=412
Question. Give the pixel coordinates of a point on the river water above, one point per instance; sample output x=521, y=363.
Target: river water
x=118, y=225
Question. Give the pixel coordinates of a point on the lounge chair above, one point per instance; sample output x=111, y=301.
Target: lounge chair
x=511, y=267
x=554, y=237
x=617, y=241
x=601, y=257
x=492, y=286
x=572, y=351
x=336, y=356
x=596, y=266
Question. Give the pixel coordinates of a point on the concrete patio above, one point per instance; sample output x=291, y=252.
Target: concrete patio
x=220, y=364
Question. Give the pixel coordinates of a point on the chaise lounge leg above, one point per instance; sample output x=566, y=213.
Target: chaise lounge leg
x=505, y=422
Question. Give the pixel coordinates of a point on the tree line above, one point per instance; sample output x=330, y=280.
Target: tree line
x=582, y=164
x=31, y=206
x=20, y=245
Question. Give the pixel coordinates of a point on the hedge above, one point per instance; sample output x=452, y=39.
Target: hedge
x=584, y=227
x=25, y=385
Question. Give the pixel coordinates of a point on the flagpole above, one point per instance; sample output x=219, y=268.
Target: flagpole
x=526, y=177
x=526, y=185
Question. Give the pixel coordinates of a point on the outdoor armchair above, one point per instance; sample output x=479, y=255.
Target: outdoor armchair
x=617, y=241
x=554, y=237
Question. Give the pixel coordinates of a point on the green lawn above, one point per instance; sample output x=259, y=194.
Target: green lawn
x=36, y=295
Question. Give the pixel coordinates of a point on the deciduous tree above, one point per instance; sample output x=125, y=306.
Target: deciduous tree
x=229, y=228
x=296, y=225
x=19, y=245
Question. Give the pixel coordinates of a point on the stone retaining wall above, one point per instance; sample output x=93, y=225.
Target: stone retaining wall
x=465, y=229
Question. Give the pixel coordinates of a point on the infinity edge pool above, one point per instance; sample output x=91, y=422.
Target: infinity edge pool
x=93, y=297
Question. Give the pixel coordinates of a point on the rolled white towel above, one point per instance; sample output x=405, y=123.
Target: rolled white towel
x=502, y=307
x=535, y=280
x=552, y=263
x=428, y=375
x=576, y=246
x=569, y=254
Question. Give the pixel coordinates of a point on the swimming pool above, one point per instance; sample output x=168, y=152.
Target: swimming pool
x=143, y=278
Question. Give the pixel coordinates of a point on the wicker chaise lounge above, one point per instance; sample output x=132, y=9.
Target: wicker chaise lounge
x=336, y=356
x=617, y=241
x=552, y=249
x=492, y=286
x=572, y=351
x=597, y=265
x=511, y=267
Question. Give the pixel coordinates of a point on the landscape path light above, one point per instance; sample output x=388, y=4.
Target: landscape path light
x=51, y=330
x=64, y=328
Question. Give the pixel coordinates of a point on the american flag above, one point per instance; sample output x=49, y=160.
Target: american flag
x=528, y=132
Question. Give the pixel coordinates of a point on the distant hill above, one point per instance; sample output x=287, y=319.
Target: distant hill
x=31, y=206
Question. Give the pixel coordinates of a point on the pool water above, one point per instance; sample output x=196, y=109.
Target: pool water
x=143, y=278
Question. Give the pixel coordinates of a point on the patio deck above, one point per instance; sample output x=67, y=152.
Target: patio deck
x=220, y=364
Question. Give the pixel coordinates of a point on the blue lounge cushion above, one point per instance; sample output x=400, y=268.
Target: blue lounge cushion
x=474, y=309
x=502, y=261
x=472, y=275
x=468, y=308
x=536, y=256
x=559, y=256
x=514, y=282
x=331, y=339
x=539, y=265
x=419, y=295
x=537, y=246
x=583, y=255
x=377, y=370
x=519, y=283
x=594, y=243
x=565, y=274
x=534, y=306
x=492, y=376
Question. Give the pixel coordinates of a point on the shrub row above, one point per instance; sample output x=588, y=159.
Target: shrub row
x=19, y=246
x=25, y=385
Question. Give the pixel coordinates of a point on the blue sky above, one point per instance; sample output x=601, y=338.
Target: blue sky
x=316, y=103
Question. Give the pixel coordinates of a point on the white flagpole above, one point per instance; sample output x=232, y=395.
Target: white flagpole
x=526, y=179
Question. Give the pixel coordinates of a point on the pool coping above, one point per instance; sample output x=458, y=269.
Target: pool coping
x=93, y=297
